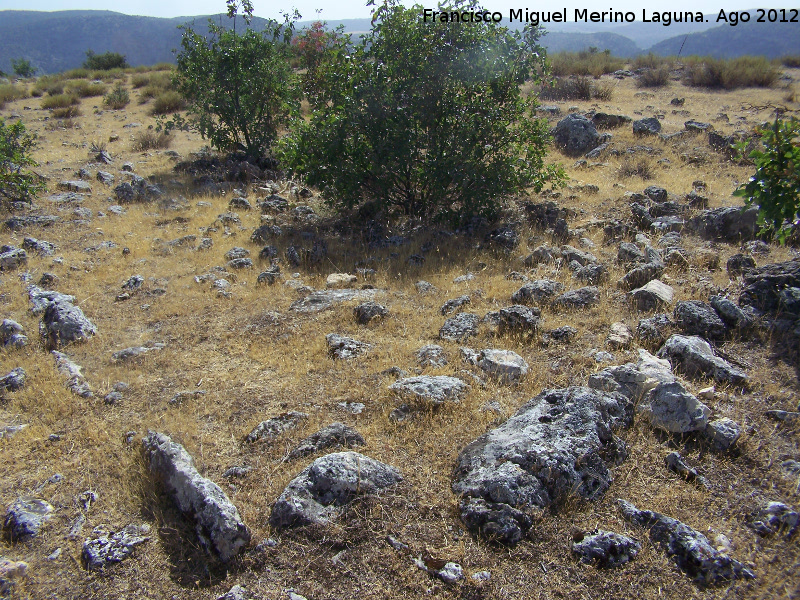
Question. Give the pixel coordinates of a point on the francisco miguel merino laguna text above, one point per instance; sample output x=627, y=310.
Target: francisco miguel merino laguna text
x=581, y=14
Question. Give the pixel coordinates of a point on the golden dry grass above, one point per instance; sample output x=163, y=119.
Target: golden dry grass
x=255, y=358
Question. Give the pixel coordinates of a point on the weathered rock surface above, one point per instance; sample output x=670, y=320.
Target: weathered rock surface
x=64, y=323
x=518, y=319
x=368, y=311
x=648, y=126
x=723, y=433
x=764, y=286
x=695, y=317
x=12, y=334
x=454, y=304
x=580, y=298
x=557, y=444
x=651, y=296
x=324, y=299
x=739, y=263
x=774, y=517
x=15, y=380
x=505, y=365
x=12, y=258
x=10, y=571
x=670, y=407
x=431, y=355
x=275, y=426
x=335, y=434
x=459, y=327
x=575, y=135
x=605, y=548
x=345, y=348
x=689, y=548
x=317, y=494
x=433, y=389
x=694, y=356
x=195, y=495
x=537, y=292
x=26, y=516
x=655, y=328
x=110, y=547
x=730, y=224
x=641, y=275
x=619, y=336
x=75, y=379
x=340, y=280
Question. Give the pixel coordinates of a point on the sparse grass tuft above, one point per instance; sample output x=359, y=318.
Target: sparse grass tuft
x=585, y=62
x=118, y=98
x=67, y=112
x=635, y=167
x=76, y=74
x=730, y=74
x=150, y=139
x=576, y=88
x=139, y=80
x=653, y=78
x=10, y=92
x=792, y=61
x=59, y=101
x=652, y=61
x=168, y=102
x=86, y=89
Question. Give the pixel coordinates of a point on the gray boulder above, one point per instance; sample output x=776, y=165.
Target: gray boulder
x=695, y=317
x=431, y=355
x=655, y=328
x=41, y=247
x=518, y=319
x=275, y=426
x=629, y=253
x=575, y=135
x=12, y=258
x=12, y=334
x=110, y=547
x=537, y=292
x=648, y=126
x=694, y=356
x=434, y=389
x=75, y=380
x=670, y=407
x=15, y=380
x=459, y=327
x=317, y=494
x=739, y=263
x=641, y=275
x=454, y=304
x=323, y=299
x=505, y=365
x=214, y=513
x=335, y=434
x=651, y=296
x=569, y=253
x=764, y=285
x=605, y=548
x=64, y=323
x=732, y=315
x=689, y=548
x=729, y=224
x=723, y=433
x=556, y=445
x=774, y=517
x=344, y=348
x=25, y=517
x=368, y=311
x=580, y=298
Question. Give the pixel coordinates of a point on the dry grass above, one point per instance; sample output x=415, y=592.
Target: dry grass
x=149, y=139
x=730, y=74
x=59, y=101
x=584, y=63
x=10, y=92
x=167, y=102
x=576, y=88
x=653, y=77
x=255, y=358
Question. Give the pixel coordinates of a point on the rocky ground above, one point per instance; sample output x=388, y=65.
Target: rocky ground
x=212, y=387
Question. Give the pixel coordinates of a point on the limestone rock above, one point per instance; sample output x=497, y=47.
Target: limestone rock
x=695, y=317
x=340, y=280
x=723, y=433
x=619, y=336
x=648, y=126
x=454, y=304
x=317, y=493
x=368, y=311
x=431, y=355
x=729, y=223
x=214, y=513
x=537, y=292
x=324, y=299
x=75, y=379
x=764, y=285
x=335, y=434
x=10, y=571
x=505, y=365
x=110, y=547
x=557, y=444
x=695, y=357
x=580, y=298
x=12, y=334
x=651, y=296
x=64, y=323
x=15, y=380
x=434, y=389
x=641, y=275
x=518, y=319
x=26, y=516
x=774, y=517
x=345, y=348
x=459, y=327
x=670, y=407
x=575, y=135
x=606, y=548
x=273, y=427
x=689, y=548
x=12, y=258
x=654, y=329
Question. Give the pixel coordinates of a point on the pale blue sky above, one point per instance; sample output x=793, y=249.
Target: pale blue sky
x=345, y=9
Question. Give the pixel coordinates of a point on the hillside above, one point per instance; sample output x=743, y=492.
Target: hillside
x=772, y=40
x=212, y=387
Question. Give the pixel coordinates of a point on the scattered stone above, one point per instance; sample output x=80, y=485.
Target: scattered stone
x=77, y=186
x=368, y=311
x=317, y=493
x=605, y=548
x=537, y=292
x=653, y=295
x=10, y=571
x=677, y=465
x=110, y=547
x=505, y=238
x=431, y=355
x=12, y=258
x=236, y=252
x=723, y=433
x=639, y=276
x=41, y=247
x=580, y=298
x=9, y=431
x=239, y=263
x=459, y=327
x=619, y=336
x=765, y=286
x=563, y=334
x=689, y=548
x=555, y=445
x=64, y=323
x=695, y=317
x=354, y=408
x=450, y=572
x=732, y=315
x=180, y=397
x=607, y=121
x=75, y=380
x=275, y=426
x=575, y=135
x=695, y=357
x=23, y=221
x=25, y=517
x=340, y=280
x=739, y=263
x=454, y=304
x=775, y=517
x=505, y=365
x=14, y=381
x=424, y=287
x=324, y=299
x=729, y=224
x=649, y=126
x=196, y=495
x=519, y=320
x=105, y=177
x=237, y=592
x=670, y=407
x=345, y=348
x=133, y=352
x=464, y=278
x=12, y=334
x=334, y=435
x=434, y=389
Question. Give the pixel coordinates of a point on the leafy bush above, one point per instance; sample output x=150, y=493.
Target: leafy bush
x=105, y=61
x=59, y=101
x=150, y=139
x=314, y=47
x=653, y=78
x=22, y=68
x=168, y=102
x=575, y=88
x=240, y=88
x=729, y=74
x=425, y=120
x=775, y=186
x=583, y=63
x=16, y=145
x=117, y=98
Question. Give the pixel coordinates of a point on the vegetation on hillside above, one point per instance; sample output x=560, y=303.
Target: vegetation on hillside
x=17, y=184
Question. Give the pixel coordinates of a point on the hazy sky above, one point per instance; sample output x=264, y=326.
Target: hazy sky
x=344, y=9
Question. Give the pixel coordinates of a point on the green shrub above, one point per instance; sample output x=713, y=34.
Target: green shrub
x=653, y=78
x=105, y=61
x=584, y=63
x=239, y=87
x=425, y=120
x=168, y=102
x=139, y=80
x=775, y=186
x=86, y=89
x=729, y=74
x=23, y=68
x=59, y=101
x=16, y=144
x=117, y=98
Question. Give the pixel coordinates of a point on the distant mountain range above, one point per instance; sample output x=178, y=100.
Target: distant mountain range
x=57, y=41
